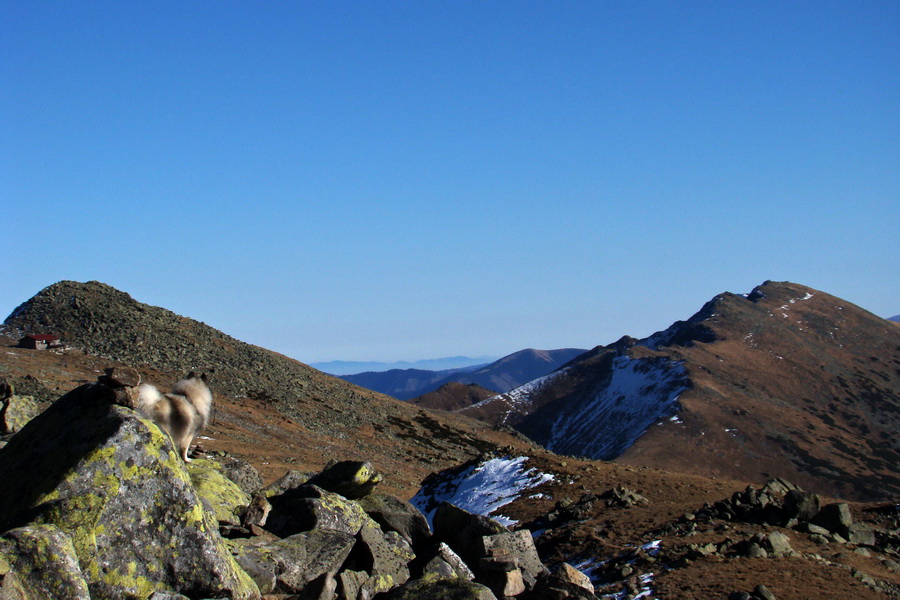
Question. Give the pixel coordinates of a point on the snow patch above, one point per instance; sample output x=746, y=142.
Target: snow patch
x=481, y=488
x=518, y=399
x=640, y=392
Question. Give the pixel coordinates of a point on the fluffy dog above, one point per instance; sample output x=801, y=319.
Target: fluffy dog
x=182, y=413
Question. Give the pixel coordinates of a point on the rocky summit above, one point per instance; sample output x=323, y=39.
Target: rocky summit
x=784, y=381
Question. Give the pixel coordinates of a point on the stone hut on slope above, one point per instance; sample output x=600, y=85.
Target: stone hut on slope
x=40, y=341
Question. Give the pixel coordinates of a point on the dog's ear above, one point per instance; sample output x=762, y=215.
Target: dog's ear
x=203, y=377
x=190, y=375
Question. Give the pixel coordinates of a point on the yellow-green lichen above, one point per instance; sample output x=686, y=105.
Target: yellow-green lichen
x=129, y=581
x=222, y=494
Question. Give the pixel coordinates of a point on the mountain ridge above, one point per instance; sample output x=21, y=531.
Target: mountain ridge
x=784, y=380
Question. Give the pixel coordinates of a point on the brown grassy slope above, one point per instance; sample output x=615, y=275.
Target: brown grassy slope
x=798, y=384
x=453, y=396
x=788, y=382
x=403, y=441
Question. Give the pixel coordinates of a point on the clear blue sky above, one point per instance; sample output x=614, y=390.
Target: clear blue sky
x=405, y=180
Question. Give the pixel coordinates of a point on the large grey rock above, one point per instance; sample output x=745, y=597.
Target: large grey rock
x=288, y=565
x=309, y=507
x=112, y=481
x=386, y=561
x=221, y=495
x=836, y=518
x=397, y=515
x=520, y=546
x=41, y=564
x=242, y=473
x=799, y=505
x=462, y=531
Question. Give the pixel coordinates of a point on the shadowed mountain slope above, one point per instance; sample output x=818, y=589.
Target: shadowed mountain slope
x=785, y=381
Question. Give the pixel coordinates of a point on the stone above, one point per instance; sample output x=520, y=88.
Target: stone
x=42, y=563
x=836, y=518
x=812, y=528
x=289, y=564
x=779, y=544
x=397, y=515
x=351, y=479
x=569, y=574
x=799, y=505
x=763, y=593
x=442, y=561
x=309, y=507
x=256, y=513
x=462, y=530
x=622, y=497
x=349, y=584
x=754, y=550
x=289, y=480
x=519, y=545
x=223, y=496
x=121, y=377
x=862, y=533
x=386, y=562
x=15, y=412
x=504, y=583
x=442, y=589
x=101, y=473
x=168, y=596
x=242, y=473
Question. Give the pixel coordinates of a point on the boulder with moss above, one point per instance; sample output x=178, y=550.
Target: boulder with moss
x=111, y=481
x=221, y=495
x=39, y=562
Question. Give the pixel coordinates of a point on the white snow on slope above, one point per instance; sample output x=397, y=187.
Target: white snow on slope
x=640, y=392
x=481, y=489
x=517, y=399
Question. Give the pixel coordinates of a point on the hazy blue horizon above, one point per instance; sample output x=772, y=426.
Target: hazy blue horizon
x=387, y=181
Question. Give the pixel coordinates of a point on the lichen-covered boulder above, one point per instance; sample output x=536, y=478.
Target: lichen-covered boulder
x=386, y=556
x=350, y=478
x=242, y=473
x=226, y=500
x=40, y=563
x=288, y=565
x=15, y=412
x=309, y=507
x=397, y=515
x=113, y=483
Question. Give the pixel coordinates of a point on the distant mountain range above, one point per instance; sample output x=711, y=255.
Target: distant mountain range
x=499, y=376
x=349, y=367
